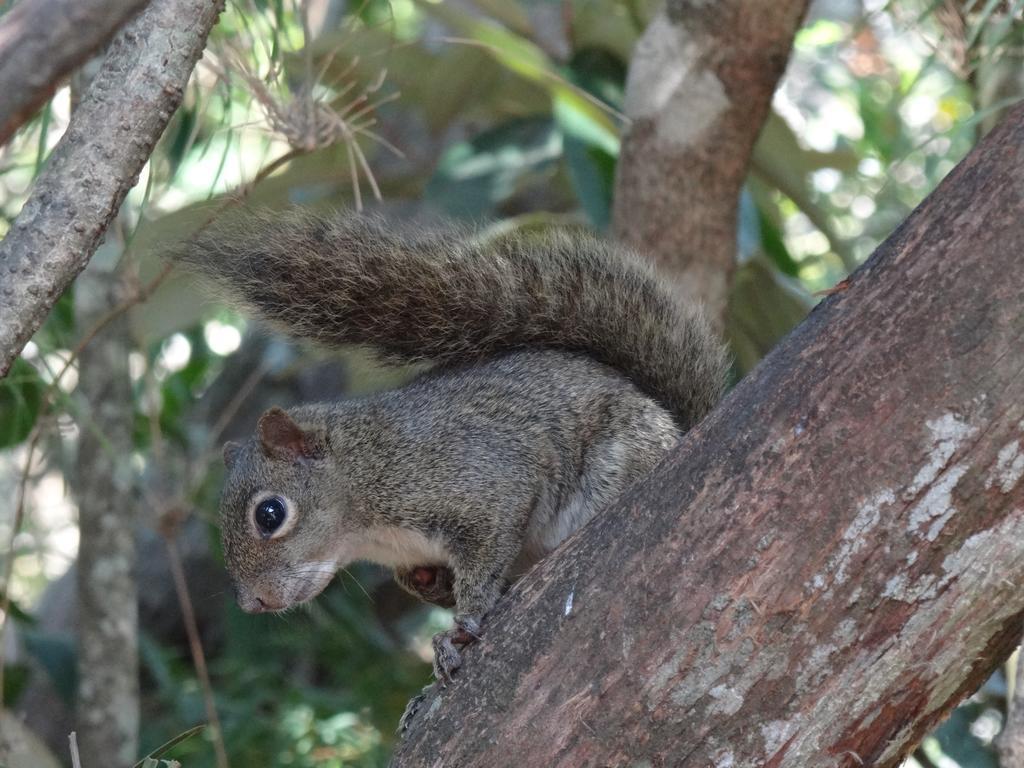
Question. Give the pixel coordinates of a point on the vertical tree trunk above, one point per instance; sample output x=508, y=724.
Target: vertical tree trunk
x=700, y=85
x=108, y=671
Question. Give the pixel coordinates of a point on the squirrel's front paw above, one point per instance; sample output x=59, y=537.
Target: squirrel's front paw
x=447, y=656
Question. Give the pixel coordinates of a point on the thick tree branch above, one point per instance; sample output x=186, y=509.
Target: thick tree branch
x=699, y=88
x=825, y=566
x=41, y=41
x=98, y=160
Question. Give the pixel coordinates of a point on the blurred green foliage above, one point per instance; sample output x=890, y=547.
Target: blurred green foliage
x=497, y=112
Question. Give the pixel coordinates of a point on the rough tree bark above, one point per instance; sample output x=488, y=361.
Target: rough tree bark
x=699, y=88
x=41, y=41
x=824, y=567
x=108, y=141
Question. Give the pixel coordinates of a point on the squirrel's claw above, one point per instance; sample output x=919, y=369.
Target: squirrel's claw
x=447, y=657
x=411, y=709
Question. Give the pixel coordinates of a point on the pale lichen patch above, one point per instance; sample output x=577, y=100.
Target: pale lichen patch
x=667, y=85
x=666, y=672
x=948, y=433
x=901, y=588
x=895, y=588
x=846, y=632
x=815, y=667
x=971, y=555
x=937, y=505
x=727, y=700
x=1009, y=468
x=688, y=691
x=627, y=646
x=856, y=534
x=776, y=734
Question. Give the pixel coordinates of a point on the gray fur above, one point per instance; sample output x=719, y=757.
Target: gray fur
x=453, y=299
x=568, y=369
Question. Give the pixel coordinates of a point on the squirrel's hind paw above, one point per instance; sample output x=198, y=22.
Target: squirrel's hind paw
x=430, y=583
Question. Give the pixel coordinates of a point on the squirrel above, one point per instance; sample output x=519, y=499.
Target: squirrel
x=564, y=369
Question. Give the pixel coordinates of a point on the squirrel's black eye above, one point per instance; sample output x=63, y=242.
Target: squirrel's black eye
x=270, y=514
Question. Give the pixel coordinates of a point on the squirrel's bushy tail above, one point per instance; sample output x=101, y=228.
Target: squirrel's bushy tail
x=452, y=298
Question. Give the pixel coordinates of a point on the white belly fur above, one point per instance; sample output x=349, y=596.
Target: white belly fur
x=399, y=548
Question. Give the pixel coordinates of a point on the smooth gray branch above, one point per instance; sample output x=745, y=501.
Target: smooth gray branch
x=108, y=141
x=41, y=41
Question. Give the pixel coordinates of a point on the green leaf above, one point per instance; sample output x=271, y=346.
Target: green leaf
x=582, y=114
x=592, y=172
x=476, y=176
x=150, y=760
x=20, y=399
x=16, y=677
x=601, y=74
x=55, y=654
x=763, y=307
x=19, y=614
x=579, y=118
x=59, y=329
x=820, y=34
x=610, y=25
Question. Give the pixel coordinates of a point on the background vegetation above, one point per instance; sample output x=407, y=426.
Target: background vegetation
x=499, y=113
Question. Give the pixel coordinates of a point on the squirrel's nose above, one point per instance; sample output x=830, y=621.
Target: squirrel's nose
x=251, y=603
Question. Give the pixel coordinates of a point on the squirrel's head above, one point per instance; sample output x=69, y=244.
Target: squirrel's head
x=279, y=533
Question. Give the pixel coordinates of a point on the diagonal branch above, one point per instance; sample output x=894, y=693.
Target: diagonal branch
x=700, y=85
x=108, y=141
x=41, y=41
x=825, y=566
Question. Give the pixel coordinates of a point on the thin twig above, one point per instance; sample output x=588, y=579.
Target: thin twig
x=76, y=761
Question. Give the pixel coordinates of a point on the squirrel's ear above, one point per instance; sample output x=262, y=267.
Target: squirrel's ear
x=282, y=438
x=231, y=451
